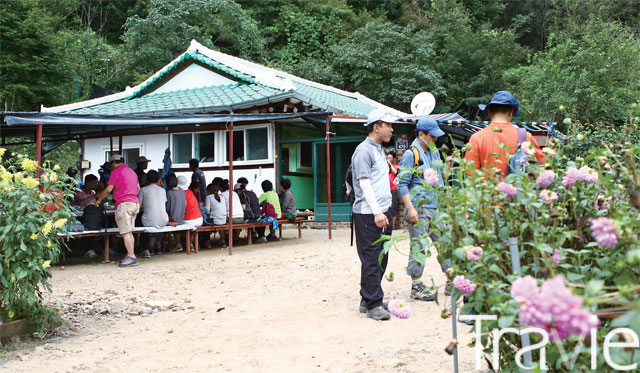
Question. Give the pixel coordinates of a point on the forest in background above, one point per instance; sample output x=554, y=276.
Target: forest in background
x=582, y=54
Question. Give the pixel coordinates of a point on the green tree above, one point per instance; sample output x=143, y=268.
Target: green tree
x=388, y=63
x=166, y=31
x=592, y=70
x=34, y=68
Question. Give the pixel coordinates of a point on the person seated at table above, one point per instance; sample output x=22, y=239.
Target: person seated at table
x=269, y=215
x=249, y=202
x=176, y=203
x=238, y=212
x=218, y=208
x=192, y=214
x=86, y=194
x=270, y=196
x=287, y=200
x=153, y=200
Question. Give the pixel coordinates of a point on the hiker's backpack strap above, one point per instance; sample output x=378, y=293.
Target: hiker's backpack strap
x=522, y=135
x=416, y=158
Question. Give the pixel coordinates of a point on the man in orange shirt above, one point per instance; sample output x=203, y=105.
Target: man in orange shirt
x=485, y=149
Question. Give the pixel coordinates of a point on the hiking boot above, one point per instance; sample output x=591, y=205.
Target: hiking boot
x=272, y=238
x=90, y=254
x=468, y=322
x=448, y=288
x=363, y=306
x=146, y=254
x=419, y=291
x=378, y=313
x=261, y=239
x=128, y=261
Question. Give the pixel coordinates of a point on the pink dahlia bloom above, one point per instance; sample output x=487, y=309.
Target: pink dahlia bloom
x=605, y=232
x=546, y=178
x=588, y=175
x=572, y=176
x=431, y=177
x=474, y=253
x=552, y=307
x=464, y=285
x=557, y=257
x=508, y=189
x=548, y=196
x=400, y=309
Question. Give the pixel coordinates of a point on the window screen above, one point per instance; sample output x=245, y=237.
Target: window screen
x=181, y=148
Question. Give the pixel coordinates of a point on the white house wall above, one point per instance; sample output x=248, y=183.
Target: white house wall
x=153, y=147
x=194, y=76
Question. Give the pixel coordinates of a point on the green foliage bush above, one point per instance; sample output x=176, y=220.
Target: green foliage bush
x=32, y=212
x=473, y=211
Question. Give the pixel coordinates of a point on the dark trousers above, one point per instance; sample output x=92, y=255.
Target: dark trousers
x=371, y=272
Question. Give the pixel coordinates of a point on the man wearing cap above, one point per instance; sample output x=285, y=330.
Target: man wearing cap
x=123, y=182
x=429, y=163
x=142, y=164
x=371, y=216
x=484, y=146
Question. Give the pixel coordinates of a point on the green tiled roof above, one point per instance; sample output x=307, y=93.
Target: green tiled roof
x=200, y=58
x=347, y=104
x=185, y=99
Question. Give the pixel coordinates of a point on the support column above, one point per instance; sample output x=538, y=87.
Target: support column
x=39, y=149
x=328, y=121
x=230, y=235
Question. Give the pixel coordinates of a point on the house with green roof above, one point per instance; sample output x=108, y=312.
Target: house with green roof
x=205, y=81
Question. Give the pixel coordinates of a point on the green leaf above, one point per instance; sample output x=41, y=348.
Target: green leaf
x=594, y=287
x=574, y=276
x=506, y=321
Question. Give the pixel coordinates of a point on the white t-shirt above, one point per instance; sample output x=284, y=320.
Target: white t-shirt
x=237, y=206
x=218, y=209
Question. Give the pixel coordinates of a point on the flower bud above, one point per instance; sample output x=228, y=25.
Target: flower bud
x=451, y=347
x=580, y=137
x=566, y=121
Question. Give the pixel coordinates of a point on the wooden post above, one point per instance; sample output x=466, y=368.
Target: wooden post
x=111, y=146
x=230, y=235
x=120, y=145
x=328, y=121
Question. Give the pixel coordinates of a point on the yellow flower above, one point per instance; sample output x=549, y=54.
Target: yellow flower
x=2, y=150
x=47, y=228
x=59, y=223
x=56, y=167
x=549, y=151
x=29, y=165
x=29, y=181
x=41, y=195
x=46, y=263
x=6, y=175
x=53, y=177
x=34, y=236
x=48, y=244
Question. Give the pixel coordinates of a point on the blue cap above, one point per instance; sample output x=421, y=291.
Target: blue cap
x=430, y=125
x=502, y=98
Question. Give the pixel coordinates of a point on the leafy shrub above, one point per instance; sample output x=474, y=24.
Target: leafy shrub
x=32, y=212
x=577, y=218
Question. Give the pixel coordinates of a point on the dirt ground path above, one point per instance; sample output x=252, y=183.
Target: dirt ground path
x=284, y=306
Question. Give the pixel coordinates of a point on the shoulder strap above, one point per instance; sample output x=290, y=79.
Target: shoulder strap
x=522, y=135
x=416, y=157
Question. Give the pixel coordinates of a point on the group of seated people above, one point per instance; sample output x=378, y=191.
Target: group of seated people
x=184, y=202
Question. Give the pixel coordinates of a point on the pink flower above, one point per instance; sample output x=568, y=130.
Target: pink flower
x=400, y=309
x=573, y=174
x=546, y=178
x=605, y=232
x=588, y=175
x=464, y=285
x=474, y=253
x=548, y=196
x=508, y=189
x=552, y=307
x=527, y=148
x=431, y=177
x=557, y=257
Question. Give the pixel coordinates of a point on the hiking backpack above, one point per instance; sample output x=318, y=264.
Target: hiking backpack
x=518, y=163
x=94, y=217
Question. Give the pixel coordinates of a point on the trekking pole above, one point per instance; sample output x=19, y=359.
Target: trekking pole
x=515, y=264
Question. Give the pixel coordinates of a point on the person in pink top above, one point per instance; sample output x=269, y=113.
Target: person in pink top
x=123, y=183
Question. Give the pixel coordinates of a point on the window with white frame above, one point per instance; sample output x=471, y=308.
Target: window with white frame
x=250, y=145
x=130, y=154
x=198, y=145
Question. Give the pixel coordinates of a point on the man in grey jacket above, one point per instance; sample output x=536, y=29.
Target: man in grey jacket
x=371, y=216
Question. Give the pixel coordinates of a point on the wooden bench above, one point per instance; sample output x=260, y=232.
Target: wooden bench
x=102, y=232
x=250, y=227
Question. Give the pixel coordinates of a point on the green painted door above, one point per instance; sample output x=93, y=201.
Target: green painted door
x=341, y=152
